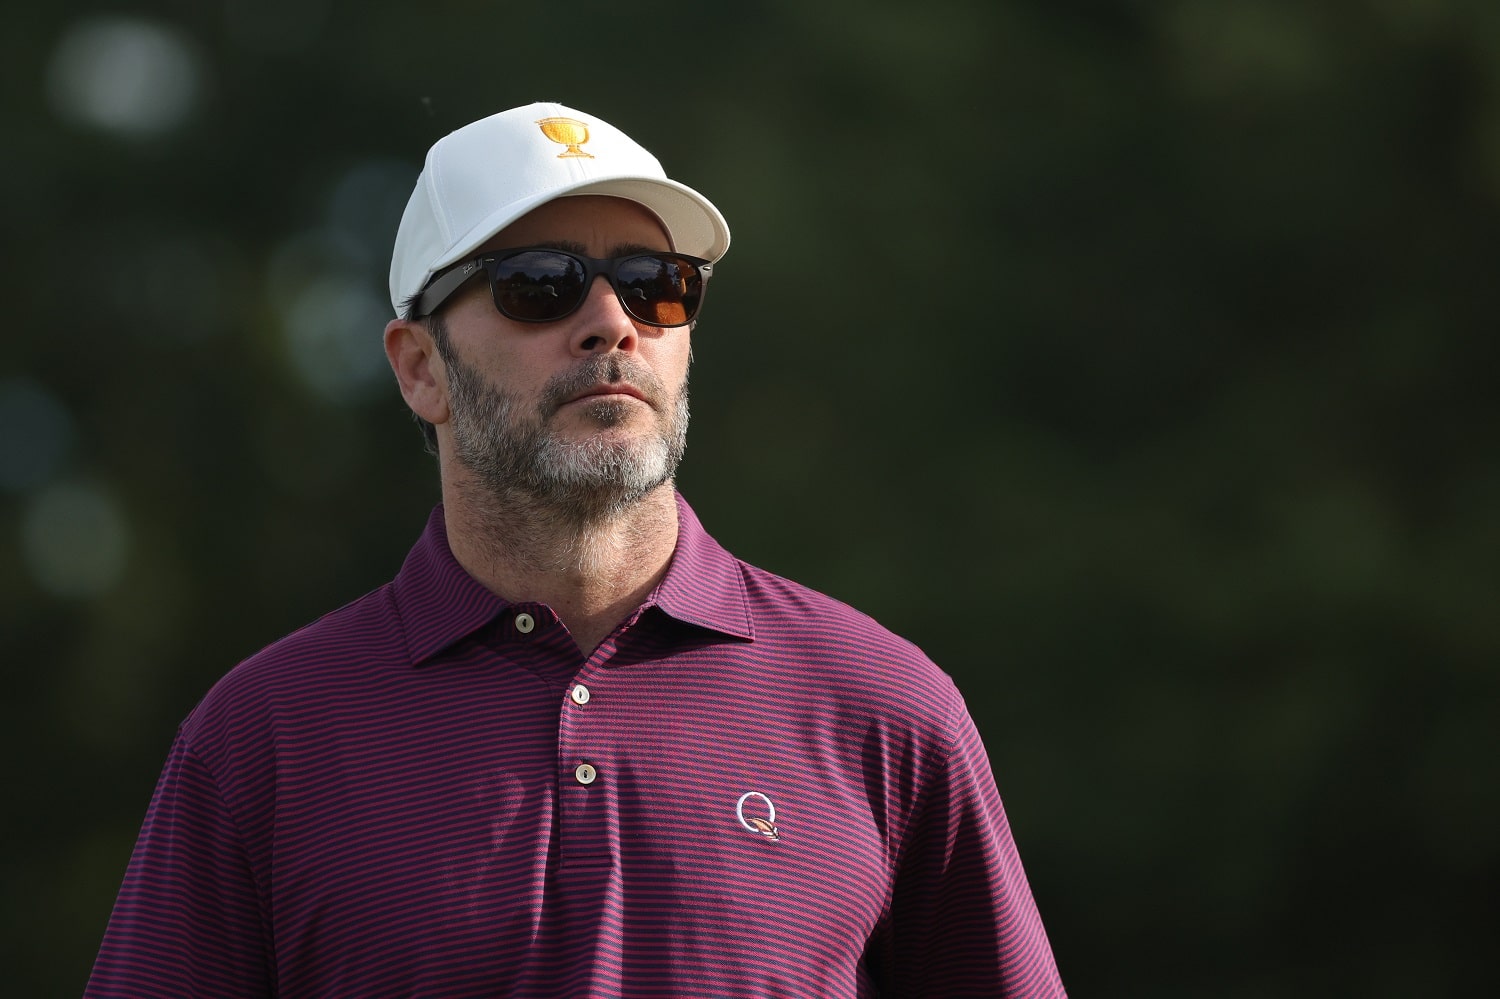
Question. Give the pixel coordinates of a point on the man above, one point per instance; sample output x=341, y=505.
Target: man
x=575, y=748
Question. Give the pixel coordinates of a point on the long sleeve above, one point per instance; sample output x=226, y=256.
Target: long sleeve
x=963, y=919
x=189, y=919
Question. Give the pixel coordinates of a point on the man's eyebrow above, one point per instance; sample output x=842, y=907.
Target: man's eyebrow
x=626, y=249
x=566, y=245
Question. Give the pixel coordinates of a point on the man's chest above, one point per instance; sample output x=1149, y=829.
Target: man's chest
x=675, y=821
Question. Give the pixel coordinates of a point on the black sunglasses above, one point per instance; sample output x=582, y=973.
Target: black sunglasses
x=541, y=285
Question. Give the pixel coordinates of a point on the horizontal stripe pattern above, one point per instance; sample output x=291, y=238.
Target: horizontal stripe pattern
x=387, y=803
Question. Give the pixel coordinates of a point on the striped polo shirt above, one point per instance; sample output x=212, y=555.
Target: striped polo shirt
x=748, y=790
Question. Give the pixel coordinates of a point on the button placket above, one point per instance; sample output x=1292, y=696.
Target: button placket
x=585, y=754
x=583, y=773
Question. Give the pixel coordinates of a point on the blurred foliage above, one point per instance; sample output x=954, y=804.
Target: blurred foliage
x=1130, y=357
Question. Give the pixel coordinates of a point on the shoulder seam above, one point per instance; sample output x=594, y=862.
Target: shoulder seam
x=229, y=809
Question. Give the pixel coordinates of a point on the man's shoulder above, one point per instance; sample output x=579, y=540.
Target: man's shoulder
x=825, y=635
x=316, y=659
x=778, y=598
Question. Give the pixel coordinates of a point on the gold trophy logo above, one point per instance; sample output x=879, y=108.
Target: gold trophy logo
x=570, y=132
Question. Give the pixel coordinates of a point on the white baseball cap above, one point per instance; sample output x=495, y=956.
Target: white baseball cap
x=482, y=177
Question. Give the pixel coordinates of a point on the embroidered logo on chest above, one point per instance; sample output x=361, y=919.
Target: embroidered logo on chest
x=758, y=815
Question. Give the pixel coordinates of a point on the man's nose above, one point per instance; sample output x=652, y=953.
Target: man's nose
x=603, y=323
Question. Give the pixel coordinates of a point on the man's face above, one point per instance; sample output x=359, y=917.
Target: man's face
x=583, y=416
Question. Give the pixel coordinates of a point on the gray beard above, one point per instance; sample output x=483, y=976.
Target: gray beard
x=517, y=456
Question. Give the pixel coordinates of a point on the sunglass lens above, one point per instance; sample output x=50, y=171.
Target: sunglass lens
x=660, y=289
x=538, y=286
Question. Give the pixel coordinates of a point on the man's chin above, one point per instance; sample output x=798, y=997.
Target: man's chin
x=607, y=411
x=624, y=437
x=598, y=501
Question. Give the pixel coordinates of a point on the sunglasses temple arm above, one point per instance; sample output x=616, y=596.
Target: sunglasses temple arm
x=443, y=286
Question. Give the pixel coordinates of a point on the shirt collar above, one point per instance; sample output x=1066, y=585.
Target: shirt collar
x=438, y=602
x=704, y=584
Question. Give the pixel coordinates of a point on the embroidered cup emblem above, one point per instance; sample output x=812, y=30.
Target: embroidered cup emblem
x=569, y=132
x=765, y=825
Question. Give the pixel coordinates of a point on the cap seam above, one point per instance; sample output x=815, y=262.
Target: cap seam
x=440, y=203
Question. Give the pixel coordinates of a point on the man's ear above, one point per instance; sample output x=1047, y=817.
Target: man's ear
x=414, y=358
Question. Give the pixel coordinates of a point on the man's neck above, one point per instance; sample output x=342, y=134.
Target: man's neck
x=592, y=574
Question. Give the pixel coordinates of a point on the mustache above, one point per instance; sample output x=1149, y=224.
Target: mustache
x=614, y=369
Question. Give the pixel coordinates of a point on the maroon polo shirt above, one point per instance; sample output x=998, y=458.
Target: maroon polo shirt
x=747, y=790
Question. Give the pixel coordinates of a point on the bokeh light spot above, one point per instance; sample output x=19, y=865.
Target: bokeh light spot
x=75, y=540
x=36, y=432
x=366, y=204
x=333, y=328
x=125, y=76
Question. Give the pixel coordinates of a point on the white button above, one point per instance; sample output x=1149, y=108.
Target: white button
x=525, y=622
x=580, y=694
x=585, y=774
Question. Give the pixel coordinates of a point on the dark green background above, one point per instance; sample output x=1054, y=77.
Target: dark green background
x=1135, y=359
